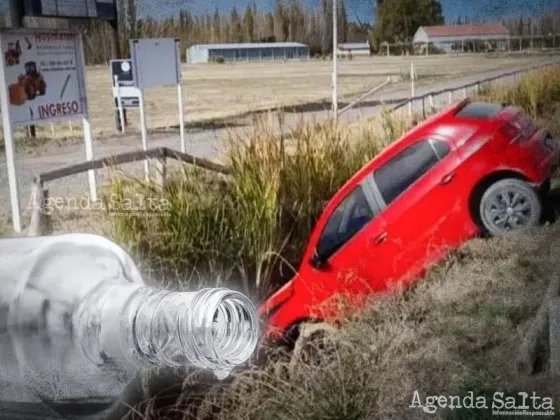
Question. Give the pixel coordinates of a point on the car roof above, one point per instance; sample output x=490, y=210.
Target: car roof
x=446, y=123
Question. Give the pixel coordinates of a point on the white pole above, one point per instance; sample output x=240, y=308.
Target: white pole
x=410, y=106
x=335, y=62
x=144, y=131
x=119, y=102
x=12, y=179
x=9, y=150
x=181, y=117
x=89, y=157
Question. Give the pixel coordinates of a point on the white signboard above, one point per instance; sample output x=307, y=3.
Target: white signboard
x=44, y=76
x=122, y=78
x=156, y=62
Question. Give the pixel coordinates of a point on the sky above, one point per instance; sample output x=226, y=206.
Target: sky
x=361, y=9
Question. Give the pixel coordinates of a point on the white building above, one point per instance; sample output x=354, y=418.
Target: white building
x=360, y=48
x=456, y=37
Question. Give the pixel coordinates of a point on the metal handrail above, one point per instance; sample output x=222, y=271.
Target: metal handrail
x=471, y=84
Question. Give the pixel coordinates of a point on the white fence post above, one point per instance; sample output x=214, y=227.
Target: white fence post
x=450, y=97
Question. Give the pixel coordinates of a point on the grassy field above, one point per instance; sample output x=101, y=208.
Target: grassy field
x=218, y=91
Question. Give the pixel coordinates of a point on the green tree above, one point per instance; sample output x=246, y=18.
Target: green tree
x=398, y=20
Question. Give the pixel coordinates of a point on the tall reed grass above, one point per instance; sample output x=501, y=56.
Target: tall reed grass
x=260, y=215
x=537, y=92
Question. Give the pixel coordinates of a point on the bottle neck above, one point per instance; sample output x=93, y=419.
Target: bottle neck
x=133, y=325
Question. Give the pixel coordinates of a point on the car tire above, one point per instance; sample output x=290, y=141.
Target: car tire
x=509, y=205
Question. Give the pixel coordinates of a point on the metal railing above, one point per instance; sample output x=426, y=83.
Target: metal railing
x=432, y=96
x=40, y=220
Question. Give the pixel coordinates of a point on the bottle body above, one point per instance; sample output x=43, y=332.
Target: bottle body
x=77, y=321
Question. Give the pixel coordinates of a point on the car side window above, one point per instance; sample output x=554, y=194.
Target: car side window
x=351, y=215
x=399, y=173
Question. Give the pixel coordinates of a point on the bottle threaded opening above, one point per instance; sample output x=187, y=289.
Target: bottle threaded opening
x=213, y=329
x=225, y=326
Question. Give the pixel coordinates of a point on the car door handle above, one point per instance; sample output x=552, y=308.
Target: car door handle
x=381, y=238
x=447, y=178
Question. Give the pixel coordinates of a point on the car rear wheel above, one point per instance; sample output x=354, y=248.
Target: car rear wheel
x=509, y=205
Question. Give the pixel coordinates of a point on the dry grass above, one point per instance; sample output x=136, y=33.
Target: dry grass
x=263, y=213
x=455, y=331
x=219, y=91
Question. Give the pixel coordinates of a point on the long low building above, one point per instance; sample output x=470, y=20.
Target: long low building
x=357, y=48
x=208, y=53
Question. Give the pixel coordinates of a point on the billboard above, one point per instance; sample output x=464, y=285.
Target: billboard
x=43, y=76
x=89, y=9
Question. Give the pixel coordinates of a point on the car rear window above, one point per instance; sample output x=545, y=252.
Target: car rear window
x=404, y=169
x=480, y=111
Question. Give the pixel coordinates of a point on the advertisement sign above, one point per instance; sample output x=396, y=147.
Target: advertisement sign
x=44, y=76
x=91, y=9
x=123, y=83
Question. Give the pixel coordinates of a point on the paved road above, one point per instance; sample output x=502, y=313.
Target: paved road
x=202, y=143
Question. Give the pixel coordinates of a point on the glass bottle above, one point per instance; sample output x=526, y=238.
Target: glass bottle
x=77, y=322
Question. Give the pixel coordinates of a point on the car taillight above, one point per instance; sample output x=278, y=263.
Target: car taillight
x=511, y=132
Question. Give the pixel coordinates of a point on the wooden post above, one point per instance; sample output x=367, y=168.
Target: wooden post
x=450, y=97
x=161, y=171
x=431, y=100
x=554, y=335
x=465, y=93
x=115, y=41
x=40, y=219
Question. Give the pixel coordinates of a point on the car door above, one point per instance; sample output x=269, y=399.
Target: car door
x=423, y=214
x=334, y=264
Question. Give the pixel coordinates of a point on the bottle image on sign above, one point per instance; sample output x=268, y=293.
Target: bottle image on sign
x=78, y=322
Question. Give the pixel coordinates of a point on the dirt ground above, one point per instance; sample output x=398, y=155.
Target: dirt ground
x=217, y=91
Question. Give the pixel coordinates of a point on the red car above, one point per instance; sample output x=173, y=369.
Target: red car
x=475, y=168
